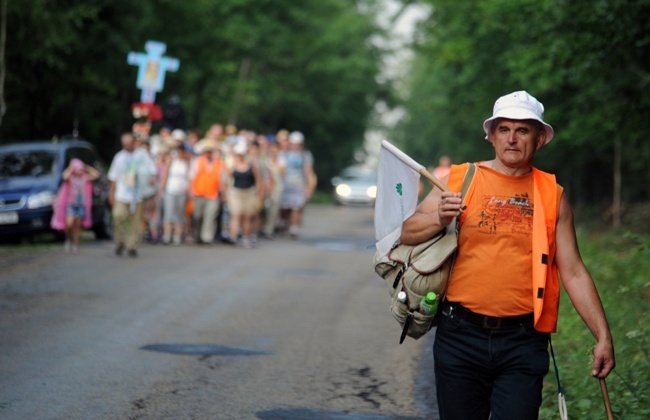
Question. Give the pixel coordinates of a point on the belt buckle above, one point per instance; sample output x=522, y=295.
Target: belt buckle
x=491, y=325
x=447, y=310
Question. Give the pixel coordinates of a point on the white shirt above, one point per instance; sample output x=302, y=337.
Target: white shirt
x=178, y=177
x=131, y=172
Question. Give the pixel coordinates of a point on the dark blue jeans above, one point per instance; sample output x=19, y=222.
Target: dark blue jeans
x=483, y=371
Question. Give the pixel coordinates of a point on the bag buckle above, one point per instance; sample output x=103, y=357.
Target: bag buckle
x=399, y=275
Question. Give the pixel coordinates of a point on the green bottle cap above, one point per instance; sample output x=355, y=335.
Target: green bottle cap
x=431, y=296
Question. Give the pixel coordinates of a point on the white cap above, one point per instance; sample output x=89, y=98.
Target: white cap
x=518, y=106
x=296, y=137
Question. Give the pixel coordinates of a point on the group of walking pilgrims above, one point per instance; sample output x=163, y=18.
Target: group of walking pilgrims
x=230, y=186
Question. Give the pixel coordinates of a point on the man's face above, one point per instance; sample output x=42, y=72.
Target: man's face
x=128, y=142
x=515, y=142
x=295, y=146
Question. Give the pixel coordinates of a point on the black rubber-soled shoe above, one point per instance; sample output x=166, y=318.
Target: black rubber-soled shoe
x=133, y=253
x=119, y=249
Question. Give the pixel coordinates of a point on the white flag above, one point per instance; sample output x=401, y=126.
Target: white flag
x=397, y=194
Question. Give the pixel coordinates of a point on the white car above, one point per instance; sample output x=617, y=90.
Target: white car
x=355, y=186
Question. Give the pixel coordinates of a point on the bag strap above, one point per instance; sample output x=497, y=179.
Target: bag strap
x=467, y=181
x=469, y=177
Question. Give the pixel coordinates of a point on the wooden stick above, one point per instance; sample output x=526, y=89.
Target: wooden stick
x=437, y=183
x=608, y=405
x=433, y=180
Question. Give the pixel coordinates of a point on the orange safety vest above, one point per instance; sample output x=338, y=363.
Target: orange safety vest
x=208, y=178
x=545, y=281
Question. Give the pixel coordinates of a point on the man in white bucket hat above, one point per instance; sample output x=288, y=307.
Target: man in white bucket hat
x=516, y=236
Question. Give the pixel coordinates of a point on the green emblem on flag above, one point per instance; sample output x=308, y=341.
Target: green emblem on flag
x=398, y=187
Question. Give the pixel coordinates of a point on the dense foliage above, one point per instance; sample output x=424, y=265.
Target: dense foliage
x=587, y=61
x=259, y=64
x=619, y=264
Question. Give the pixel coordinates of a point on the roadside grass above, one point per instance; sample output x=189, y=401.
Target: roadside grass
x=322, y=197
x=619, y=262
x=28, y=244
x=37, y=243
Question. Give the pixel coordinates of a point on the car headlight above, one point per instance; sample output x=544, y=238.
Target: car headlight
x=372, y=191
x=343, y=190
x=41, y=199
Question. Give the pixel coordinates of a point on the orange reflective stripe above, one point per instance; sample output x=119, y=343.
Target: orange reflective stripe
x=546, y=286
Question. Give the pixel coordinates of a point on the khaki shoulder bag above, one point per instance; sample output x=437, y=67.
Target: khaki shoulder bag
x=419, y=269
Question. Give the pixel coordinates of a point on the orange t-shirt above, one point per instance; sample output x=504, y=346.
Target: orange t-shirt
x=492, y=273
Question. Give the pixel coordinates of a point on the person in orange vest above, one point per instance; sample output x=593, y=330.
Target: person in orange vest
x=516, y=235
x=207, y=175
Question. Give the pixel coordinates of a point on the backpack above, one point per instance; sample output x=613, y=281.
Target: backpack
x=419, y=269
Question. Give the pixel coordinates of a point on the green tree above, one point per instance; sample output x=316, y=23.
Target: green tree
x=263, y=65
x=587, y=61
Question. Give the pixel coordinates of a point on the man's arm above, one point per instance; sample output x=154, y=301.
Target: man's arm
x=582, y=291
x=112, y=176
x=436, y=211
x=310, y=177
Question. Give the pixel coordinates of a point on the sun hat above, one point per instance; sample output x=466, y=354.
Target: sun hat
x=205, y=145
x=179, y=134
x=240, y=148
x=518, y=105
x=296, y=137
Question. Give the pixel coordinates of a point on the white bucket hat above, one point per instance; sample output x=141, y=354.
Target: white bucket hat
x=296, y=137
x=518, y=106
x=179, y=134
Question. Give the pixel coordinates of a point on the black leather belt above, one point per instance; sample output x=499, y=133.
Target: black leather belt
x=485, y=321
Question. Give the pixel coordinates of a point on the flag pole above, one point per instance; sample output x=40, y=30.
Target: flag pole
x=433, y=180
x=414, y=165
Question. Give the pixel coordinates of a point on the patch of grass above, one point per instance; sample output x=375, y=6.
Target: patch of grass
x=29, y=243
x=322, y=197
x=38, y=242
x=619, y=264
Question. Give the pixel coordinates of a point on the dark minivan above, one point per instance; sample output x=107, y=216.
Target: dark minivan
x=30, y=175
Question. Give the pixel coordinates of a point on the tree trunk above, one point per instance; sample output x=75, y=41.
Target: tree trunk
x=616, y=205
x=3, y=42
x=244, y=73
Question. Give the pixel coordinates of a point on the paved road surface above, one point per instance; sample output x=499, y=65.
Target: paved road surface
x=295, y=329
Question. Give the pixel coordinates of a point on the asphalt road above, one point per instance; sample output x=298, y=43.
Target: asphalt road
x=294, y=329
